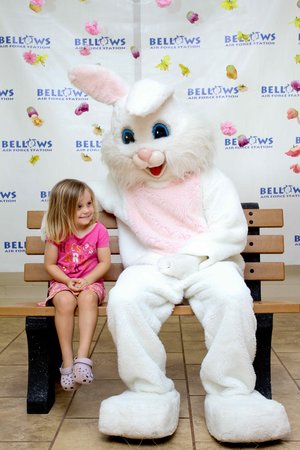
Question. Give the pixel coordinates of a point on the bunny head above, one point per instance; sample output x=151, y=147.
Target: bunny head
x=154, y=138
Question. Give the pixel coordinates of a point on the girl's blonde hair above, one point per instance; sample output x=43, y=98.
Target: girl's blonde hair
x=60, y=218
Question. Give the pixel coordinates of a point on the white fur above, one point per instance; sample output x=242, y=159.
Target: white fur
x=207, y=269
x=140, y=415
x=239, y=418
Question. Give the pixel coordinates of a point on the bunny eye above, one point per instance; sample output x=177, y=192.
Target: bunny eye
x=127, y=136
x=160, y=130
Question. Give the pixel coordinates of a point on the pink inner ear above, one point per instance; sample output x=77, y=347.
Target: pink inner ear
x=98, y=82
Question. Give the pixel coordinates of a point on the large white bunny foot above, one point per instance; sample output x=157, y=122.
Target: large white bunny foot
x=140, y=415
x=245, y=418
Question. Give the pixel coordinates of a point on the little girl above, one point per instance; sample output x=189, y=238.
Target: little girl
x=77, y=256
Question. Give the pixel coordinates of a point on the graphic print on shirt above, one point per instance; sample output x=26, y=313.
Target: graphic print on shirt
x=77, y=255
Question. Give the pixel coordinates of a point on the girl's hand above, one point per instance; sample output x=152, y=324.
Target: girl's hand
x=80, y=283
x=74, y=284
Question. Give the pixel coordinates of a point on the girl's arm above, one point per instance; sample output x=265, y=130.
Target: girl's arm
x=101, y=268
x=50, y=260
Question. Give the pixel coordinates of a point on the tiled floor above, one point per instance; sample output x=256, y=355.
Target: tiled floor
x=73, y=421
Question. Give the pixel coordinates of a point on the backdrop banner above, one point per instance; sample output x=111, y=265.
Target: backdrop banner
x=234, y=61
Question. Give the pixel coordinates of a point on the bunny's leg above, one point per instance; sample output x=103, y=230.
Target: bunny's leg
x=138, y=305
x=234, y=411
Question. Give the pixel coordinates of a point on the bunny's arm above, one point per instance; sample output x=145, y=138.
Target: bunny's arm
x=226, y=224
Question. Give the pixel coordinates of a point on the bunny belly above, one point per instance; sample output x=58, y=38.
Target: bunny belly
x=164, y=219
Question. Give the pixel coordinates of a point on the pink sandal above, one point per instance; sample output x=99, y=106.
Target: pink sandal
x=67, y=379
x=82, y=370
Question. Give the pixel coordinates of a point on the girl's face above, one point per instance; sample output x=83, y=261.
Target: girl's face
x=84, y=211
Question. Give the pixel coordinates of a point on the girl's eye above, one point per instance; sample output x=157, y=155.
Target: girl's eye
x=127, y=136
x=160, y=130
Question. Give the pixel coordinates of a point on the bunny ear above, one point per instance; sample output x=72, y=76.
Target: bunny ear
x=98, y=82
x=147, y=96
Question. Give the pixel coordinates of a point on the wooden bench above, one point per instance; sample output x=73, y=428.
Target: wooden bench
x=44, y=357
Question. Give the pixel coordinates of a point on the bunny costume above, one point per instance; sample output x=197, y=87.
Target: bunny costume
x=181, y=231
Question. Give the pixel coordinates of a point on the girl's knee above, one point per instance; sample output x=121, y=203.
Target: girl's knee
x=88, y=298
x=64, y=302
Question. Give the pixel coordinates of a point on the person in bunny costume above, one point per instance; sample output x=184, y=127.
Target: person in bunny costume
x=181, y=231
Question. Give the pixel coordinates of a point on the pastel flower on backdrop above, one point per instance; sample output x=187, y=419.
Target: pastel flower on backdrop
x=164, y=63
x=292, y=113
x=34, y=59
x=295, y=85
x=192, y=16
x=297, y=59
x=97, y=130
x=227, y=128
x=185, y=71
x=34, y=159
x=82, y=108
x=85, y=157
x=85, y=51
x=36, y=5
x=296, y=22
x=34, y=116
x=135, y=52
x=231, y=72
x=92, y=28
x=295, y=168
x=29, y=57
x=294, y=151
x=298, y=3
x=229, y=5
x=163, y=3
x=242, y=88
x=243, y=140
x=242, y=36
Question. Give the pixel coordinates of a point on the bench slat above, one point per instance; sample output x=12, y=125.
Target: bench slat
x=255, y=244
x=264, y=244
x=35, y=246
x=272, y=218
x=31, y=309
x=37, y=272
x=34, y=219
x=265, y=271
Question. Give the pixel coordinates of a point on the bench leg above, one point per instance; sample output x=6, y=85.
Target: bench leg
x=44, y=359
x=262, y=361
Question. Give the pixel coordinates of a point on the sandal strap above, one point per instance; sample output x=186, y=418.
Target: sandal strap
x=86, y=361
x=66, y=371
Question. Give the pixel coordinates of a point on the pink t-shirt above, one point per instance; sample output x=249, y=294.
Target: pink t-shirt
x=77, y=256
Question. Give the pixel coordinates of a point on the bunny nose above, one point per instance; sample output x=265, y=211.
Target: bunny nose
x=145, y=154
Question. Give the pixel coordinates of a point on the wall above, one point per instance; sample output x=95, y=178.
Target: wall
x=259, y=38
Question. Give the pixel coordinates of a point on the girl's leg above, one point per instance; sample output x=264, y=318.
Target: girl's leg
x=65, y=304
x=87, y=321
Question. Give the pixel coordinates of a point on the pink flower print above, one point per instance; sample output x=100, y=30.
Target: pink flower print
x=163, y=3
x=83, y=107
x=228, y=128
x=292, y=113
x=85, y=51
x=37, y=2
x=36, y=5
x=243, y=140
x=294, y=151
x=296, y=85
x=31, y=111
x=135, y=52
x=192, y=17
x=295, y=168
x=30, y=57
x=92, y=28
